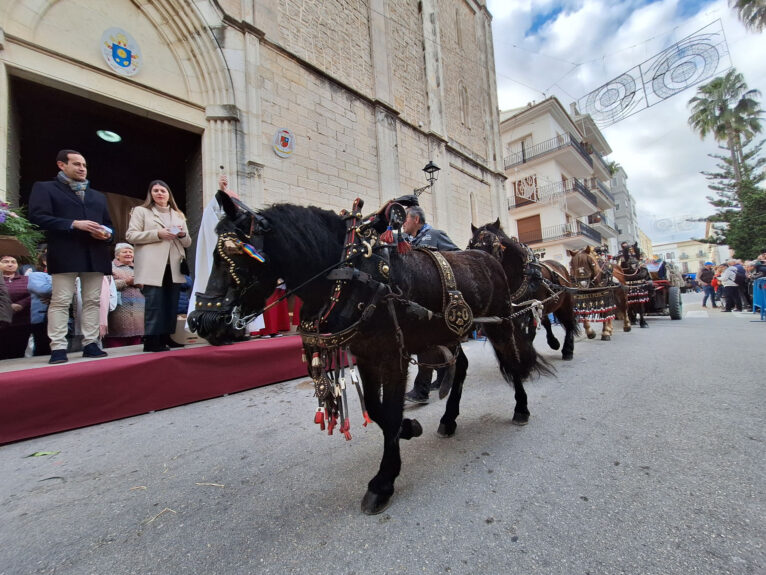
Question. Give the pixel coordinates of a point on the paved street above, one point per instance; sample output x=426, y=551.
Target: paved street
x=645, y=455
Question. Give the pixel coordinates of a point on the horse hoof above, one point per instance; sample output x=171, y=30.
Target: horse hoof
x=410, y=428
x=520, y=418
x=606, y=338
x=374, y=503
x=567, y=357
x=626, y=329
x=592, y=335
x=554, y=344
x=644, y=324
x=445, y=431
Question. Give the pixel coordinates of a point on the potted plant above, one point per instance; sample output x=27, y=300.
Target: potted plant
x=18, y=236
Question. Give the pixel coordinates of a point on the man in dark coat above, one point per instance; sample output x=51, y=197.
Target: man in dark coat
x=79, y=231
x=424, y=235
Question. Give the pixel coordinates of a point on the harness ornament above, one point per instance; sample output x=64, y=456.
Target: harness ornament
x=596, y=306
x=637, y=292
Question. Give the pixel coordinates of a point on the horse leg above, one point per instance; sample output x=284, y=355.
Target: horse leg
x=553, y=343
x=388, y=414
x=448, y=424
x=588, y=329
x=569, y=323
x=606, y=330
x=642, y=321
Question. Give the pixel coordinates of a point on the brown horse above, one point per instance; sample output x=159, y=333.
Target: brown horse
x=362, y=297
x=589, y=273
x=529, y=279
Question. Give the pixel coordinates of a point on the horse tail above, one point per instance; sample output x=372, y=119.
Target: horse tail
x=515, y=354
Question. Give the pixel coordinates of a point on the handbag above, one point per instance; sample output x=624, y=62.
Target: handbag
x=185, y=266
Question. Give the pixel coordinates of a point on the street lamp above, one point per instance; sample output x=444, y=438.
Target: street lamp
x=432, y=174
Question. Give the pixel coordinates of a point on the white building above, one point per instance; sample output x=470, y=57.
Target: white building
x=558, y=187
x=625, y=217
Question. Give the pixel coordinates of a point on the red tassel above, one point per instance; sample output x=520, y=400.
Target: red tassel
x=332, y=421
x=403, y=247
x=319, y=418
x=366, y=418
x=344, y=429
x=388, y=236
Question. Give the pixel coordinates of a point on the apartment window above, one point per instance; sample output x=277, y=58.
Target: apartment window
x=670, y=256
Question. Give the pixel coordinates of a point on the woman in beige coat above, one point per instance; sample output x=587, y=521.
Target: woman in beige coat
x=159, y=234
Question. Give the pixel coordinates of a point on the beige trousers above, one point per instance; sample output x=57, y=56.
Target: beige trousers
x=61, y=299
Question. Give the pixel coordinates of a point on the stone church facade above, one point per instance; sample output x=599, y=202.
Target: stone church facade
x=305, y=101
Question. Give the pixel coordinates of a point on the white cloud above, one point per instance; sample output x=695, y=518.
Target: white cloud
x=660, y=153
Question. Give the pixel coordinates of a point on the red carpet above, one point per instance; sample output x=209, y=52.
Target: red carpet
x=46, y=400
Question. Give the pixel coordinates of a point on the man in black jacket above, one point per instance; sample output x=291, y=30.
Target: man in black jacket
x=424, y=235
x=79, y=231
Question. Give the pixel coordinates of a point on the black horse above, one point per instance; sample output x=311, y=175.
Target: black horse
x=384, y=305
x=530, y=279
x=637, y=282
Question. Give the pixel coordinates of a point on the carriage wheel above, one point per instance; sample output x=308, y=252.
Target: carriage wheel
x=675, y=306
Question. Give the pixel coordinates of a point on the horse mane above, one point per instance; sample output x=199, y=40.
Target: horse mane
x=308, y=233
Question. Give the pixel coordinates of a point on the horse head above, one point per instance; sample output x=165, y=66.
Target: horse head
x=583, y=267
x=240, y=280
x=488, y=238
x=630, y=260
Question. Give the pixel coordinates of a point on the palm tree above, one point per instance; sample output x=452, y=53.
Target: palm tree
x=751, y=12
x=725, y=108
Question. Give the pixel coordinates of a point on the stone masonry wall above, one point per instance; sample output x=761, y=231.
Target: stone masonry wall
x=333, y=35
x=463, y=68
x=408, y=77
x=335, y=155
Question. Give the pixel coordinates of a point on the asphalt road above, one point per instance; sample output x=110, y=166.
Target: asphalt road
x=645, y=455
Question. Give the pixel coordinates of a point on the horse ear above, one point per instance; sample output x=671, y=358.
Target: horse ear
x=571, y=253
x=474, y=229
x=587, y=250
x=227, y=204
x=497, y=224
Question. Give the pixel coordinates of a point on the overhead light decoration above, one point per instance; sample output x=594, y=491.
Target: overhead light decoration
x=107, y=136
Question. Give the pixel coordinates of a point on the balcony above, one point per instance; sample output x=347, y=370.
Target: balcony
x=605, y=197
x=579, y=201
x=573, y=235
x=601, y=224
x=551, y=147
x=600, y=166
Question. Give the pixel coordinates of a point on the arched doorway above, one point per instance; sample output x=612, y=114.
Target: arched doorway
x=47, y=120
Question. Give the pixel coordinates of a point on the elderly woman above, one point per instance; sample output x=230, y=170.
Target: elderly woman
x=126, y=321
x=158, y=231
x=15, y=336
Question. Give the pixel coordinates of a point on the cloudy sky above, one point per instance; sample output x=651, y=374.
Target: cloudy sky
x=567, y=48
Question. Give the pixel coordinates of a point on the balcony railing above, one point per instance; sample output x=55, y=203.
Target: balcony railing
x=600, y=160
x=554, y=192
x=600, y=218
x=596, y=184
x=546, y=147
x=560, y=232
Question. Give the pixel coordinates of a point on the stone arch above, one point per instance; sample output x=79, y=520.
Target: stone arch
x=187, y=28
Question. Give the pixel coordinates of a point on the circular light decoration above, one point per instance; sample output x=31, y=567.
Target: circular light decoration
x=685, y=65
x=613, y=101
x=107, y=136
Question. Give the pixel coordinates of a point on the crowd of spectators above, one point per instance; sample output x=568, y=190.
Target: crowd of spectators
x=729, y=286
